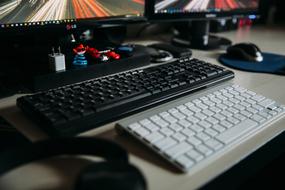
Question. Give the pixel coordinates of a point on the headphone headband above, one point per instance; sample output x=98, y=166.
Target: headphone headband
x=63, y=146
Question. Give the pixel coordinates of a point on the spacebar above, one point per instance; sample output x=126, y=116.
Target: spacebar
x=129, y=99
x=236, y=131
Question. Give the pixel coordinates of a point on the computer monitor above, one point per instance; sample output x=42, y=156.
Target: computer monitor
x=41, y=13
x=199, y=12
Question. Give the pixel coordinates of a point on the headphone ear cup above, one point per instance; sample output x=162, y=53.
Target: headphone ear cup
x=110, y=176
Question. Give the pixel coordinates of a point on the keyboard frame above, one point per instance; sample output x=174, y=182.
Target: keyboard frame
x=209, y=160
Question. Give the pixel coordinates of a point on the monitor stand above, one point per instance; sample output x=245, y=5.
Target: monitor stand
x=195, y=35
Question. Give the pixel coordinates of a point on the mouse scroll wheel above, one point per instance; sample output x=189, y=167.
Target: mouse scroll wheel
x=259, y=57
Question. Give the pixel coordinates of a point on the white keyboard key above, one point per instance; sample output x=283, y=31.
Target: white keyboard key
x=205, y=124
x=219, y=116
x=239, y=107
x=233, y=110
x=166, y=131
x=181, y=107
x=251, y=93
x=245, y=104
x=175, y=127
x=240, y=117
x=179, y=115
x=170, y=119
x=258, y=107
x=215, y=109
x=188, y=132
x=246, y=113
x=265, y=113
x=228, y=103
x=201, y=116
x=236, y=131
x=226, y=113
x=233, y=120
x=209, y=103
x=154, y=137
x=234, y=100
x=161, y=123
x=212, y=120
x=141, y=131
x=151, y=127
x=145, y=122
x=189, y=104
x=240, y=98
x=208, y=112
x=194, y=141
x=202, y=106
x=250, y=101
x=222, y=106
x=214, y=144
x=178, y=149
x=196, y=101
x=164, y=114
x=187, y=112
x=204, y=98
x=154, y=118
x=265, y=103
x=194, y=155
x=172, y=111
x=134, y=126
x=196, y=128
x=211, y=132
x=165, y=143
x=184, y=161
x=194, y=109
x=245, y=95
x=219, y=128
x=179, y=137
x=226, y=124
x=204, y=150
x=203, y=136
x=184, y=123
x=258, y=98
x=273, y=112
x=252, y=110
x=216, y=100
x=193, y=119
x=258, y=118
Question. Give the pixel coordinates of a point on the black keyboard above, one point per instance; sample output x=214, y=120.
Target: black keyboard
x=76, y=108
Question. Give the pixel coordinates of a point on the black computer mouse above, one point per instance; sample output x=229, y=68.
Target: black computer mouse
x=245, y=52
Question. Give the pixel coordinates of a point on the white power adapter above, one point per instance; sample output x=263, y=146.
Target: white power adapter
x=56, y=60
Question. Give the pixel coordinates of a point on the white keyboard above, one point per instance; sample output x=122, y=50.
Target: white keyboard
x=197, y=128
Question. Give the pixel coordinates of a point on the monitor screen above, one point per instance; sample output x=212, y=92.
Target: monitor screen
x=15, y=13
x=201, y=8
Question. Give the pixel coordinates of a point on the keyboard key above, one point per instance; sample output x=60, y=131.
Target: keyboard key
x=178, y=149
x=134, y=126
x=154, y=137
x=194, y=155
x=214, y=144
x=184, y=161
x=236, y=131
x=194, y=141
x=165, y=143
x=204, y=150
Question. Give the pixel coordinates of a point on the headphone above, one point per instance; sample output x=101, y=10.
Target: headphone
x=114, y=173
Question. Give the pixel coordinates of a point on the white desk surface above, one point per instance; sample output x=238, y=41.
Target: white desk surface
x=59, y=174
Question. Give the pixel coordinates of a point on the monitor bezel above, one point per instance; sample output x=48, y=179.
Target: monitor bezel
x=152, y=16
x=78, y=22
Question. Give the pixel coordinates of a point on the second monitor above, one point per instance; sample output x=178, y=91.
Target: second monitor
x=196, y=33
